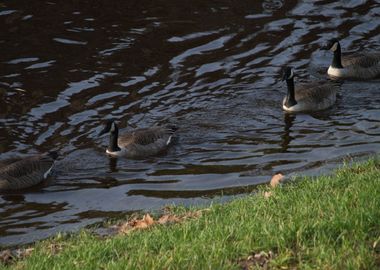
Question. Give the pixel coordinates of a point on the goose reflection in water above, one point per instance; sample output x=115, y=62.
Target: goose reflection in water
x=285, y=137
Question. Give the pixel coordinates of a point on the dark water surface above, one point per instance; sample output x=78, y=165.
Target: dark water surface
x=210, y=67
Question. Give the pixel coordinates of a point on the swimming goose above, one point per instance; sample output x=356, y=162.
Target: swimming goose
x=19, y=173
x=307, y=97
x=138, y=143
x=356, y=66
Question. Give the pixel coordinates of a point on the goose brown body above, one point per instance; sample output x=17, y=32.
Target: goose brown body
x=359, y=66
x=19, y=173
x=313, y=96
x=145, y=142
x=140, y=142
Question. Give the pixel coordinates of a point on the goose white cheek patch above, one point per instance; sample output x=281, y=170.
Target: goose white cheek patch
x=113, y=127
x=334, y=47
x=169, y=140
x=46, y=174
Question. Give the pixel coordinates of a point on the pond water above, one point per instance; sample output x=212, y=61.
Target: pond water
x=211, y=68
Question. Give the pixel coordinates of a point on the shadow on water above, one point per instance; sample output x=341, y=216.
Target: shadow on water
x=211, y=69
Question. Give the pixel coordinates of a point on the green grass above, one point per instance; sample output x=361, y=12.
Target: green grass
x=331, y=222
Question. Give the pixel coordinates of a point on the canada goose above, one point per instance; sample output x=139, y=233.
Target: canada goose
x=307, y=97
x=356, y=66
x=138, y=143
x=19, y=173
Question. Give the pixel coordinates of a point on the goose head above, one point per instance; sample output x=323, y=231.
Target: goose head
x=112, y=128
x=332, y=45
x=109, y=126
x=288, y=74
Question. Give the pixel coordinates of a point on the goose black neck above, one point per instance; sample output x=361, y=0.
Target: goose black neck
x=337, y=61
x=290, y=97
x=113, y=147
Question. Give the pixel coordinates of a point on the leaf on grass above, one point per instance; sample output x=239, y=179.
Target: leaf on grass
x=143, y=223
x=147, y=221
x=267, y=194
x=168, y=219
x=197, y=214
x=135, y=224
x=257, y=260
x=55, y=248
x=375, y=243
x=23, y=252
x=7, y=256
x=276, y=180
x=140, y=224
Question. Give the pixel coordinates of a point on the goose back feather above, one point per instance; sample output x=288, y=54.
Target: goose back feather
x=139, y=143
x=146, y=142
x=25, y=172
x=359, y=66
x=364, y=60
x=313, y=96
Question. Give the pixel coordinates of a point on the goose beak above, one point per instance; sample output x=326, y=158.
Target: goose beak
x=283, y=77
x=328, y=46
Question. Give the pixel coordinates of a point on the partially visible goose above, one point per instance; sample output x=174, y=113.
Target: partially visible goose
x=138, y=143
x=363, y=66
x=313, y=96
x=19, y=173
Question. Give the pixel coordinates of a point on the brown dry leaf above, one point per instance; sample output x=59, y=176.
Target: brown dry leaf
x=195, y=214
x=23, y=252
x=164, y=219
x=28, y=251
x=145, y=222
x=375, y=243
x=255, y=260
x=140, y=224
x=168, y=219
x=6, y=256
x=55, y=248
x=267, y=194
x=174, y=218
x=134, y=224
x=168, y=209
x=198, y=213
x=148, y=220
x=276, y=180
x=124, y=228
